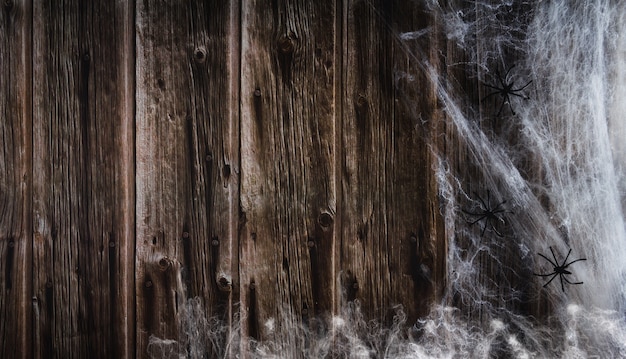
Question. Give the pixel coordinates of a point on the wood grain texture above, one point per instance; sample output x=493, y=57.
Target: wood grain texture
x=81, y=150
x=392, y=238
x=288, y=195
x=187, y=162
x=15, y=180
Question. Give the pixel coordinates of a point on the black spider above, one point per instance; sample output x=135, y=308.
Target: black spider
x=488, y=213
x=559, y=269
x=506, y=90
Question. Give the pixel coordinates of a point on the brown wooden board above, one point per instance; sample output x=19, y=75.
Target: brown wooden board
x=82, y=201
x=391, y=238
x=288, y=194
x=187, y=163
x=15, y=180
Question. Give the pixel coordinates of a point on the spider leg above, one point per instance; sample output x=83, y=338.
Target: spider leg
x=484, y=228
x=518, y=95
x=545, y=275
x=505, y=100
x=471, y=213
x=549, y=260
x=507, y=71
x=580, y=259
x=491, y=94
x=561, y=278
x=556, y=262
x=523, y=87
x=494, y=87
x=478, y=220
x=571, y=282
x=485, y=205
x=551, y=279
x=497, y=232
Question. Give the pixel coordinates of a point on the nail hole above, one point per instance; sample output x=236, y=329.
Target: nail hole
x=185, y=235
x=148, y=284
x=199, y=55
x=257, y=93
x=325, y=220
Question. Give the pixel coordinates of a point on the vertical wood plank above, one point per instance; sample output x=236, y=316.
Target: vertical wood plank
x=15, y=180
x=82, y=152
x=187, y=162
x=392, y=247
x=288, y=239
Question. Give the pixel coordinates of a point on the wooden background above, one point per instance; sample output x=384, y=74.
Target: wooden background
x=255, y=154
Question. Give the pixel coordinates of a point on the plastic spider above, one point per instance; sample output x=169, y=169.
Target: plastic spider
x=488, y=213
x=559, y=269
x=506, y=90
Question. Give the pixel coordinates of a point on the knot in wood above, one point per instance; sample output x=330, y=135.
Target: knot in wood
x=285, y=45
x=148, y=284
x=325, y=220
x=164, y=264
x=311, y=243
x=224, y=284
x=185, y=235
x=361, y=102
x=199, y=55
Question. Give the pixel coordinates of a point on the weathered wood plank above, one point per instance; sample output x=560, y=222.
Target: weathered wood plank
x=187, y=162
x=82, y=149
x=392, y=237
x=15, y=180
x=288, y=238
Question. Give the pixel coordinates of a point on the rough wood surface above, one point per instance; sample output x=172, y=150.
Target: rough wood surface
x=81, y=199
x=15, y=180
x=288, y=195
x=187, y=162
x=276, y=155
x=391, y=245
